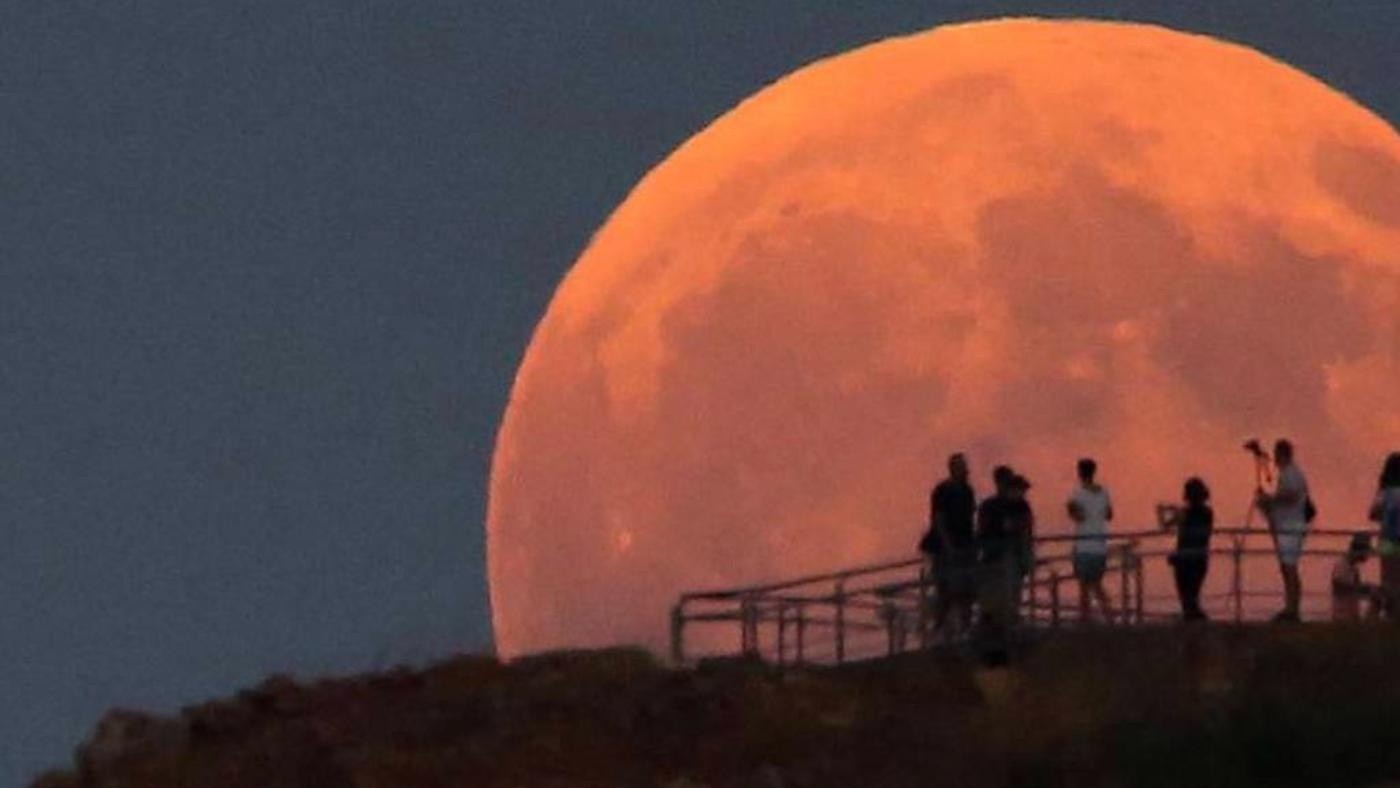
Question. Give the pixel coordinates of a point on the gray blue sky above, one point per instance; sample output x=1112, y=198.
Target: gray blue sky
x=266, y=271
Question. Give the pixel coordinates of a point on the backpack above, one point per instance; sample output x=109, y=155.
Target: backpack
x=929, y=543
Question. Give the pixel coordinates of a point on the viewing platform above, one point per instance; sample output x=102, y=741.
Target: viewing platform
x=885, y=609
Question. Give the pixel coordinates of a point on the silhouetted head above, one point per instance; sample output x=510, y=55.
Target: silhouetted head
x=1018, y=485
x=1390, y=474
x=1283, y=452
x=1195, y=492
x=1002, y=476
x=957, y=467
x=1087, y=469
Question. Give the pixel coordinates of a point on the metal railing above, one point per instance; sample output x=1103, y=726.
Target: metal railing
x=885, y=609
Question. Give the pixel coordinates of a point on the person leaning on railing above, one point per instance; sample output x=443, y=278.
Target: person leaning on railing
x=1348, y=590
x=1385, y=511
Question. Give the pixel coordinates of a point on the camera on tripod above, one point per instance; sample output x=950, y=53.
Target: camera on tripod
x=1253, y=447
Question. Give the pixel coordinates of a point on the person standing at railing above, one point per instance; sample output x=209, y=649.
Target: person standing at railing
x=1020, y=527
x=1287, y=512
x=997, y=565
x=1193, y=523
x=949, y=548
x=1091, y=509
x=1005, y=534
x=1385, y=511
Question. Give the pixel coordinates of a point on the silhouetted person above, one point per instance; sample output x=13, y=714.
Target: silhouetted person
x=998, y=567
x=1091, y=509
x=1193, y=522
x=1385, y=511
x=950, y=547
x=1020, y=527
x=1347, y=589
x=1287, y=512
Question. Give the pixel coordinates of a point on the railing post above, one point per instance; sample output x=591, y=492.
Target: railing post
x=1054, y=599
x=748, y=623
x=678, y=633
x=1034, y=594
x=925, y=603
x=1137, y=588
x=801, y=632
x=782, y=633
x=1125, y=560
x=840, y=600
x=1237, y=582
x=887, y=611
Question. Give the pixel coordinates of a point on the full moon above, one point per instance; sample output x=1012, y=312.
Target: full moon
x=1028, y=240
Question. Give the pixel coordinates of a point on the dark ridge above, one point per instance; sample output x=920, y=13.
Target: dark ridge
x=1309, y=705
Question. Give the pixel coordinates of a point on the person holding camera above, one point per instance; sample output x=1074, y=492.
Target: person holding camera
x=1288, y=511
x=1193, y=523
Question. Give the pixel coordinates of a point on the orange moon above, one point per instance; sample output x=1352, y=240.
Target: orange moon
x=1029, y=240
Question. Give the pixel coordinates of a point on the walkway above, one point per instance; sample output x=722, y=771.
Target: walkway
x=881, y=609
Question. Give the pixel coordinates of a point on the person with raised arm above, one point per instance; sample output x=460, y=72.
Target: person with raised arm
x=1287, y=510
x=1193, y=523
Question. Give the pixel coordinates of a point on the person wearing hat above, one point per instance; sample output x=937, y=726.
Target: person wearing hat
x=998, y=568
x=1020, y=528
x=1005, y=525
x=1347, y=588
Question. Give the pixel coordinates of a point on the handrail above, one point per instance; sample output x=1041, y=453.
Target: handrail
x=837, y=603
x=731, y=593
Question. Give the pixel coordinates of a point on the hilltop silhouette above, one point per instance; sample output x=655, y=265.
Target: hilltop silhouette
x=1226, y=706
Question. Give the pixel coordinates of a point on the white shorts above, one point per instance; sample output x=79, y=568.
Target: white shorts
x=1290, y=546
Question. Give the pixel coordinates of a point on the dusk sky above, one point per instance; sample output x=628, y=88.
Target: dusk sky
x=266, y=273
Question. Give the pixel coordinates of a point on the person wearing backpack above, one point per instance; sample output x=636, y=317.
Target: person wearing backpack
x=1289, y=511
x=1385, y=511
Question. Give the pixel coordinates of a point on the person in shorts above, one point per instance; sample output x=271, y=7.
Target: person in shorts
x=1091, y=509
x=1286, y=511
